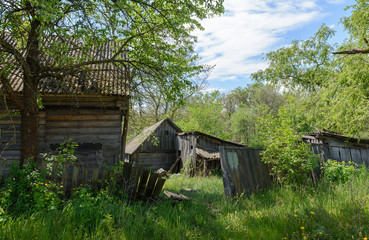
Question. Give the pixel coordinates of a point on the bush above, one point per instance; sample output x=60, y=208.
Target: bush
x=27, y=189
x=335, y=171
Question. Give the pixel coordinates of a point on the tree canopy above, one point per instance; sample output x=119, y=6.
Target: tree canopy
x=151, y=38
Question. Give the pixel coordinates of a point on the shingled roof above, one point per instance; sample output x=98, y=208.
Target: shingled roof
x=104, y=78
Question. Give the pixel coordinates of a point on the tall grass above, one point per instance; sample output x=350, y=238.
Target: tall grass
x=324, y=211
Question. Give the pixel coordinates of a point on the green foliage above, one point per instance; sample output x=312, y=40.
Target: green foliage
x=303, y=64
x=288, y=156
x=65, y=153
x=205, y=113
x=335, y=171
x=323, y=211
x=26, y=189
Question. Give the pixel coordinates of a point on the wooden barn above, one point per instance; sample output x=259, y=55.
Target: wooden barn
x=155, y=147
x=334, y=146
x=199, y=152
x=89, y=109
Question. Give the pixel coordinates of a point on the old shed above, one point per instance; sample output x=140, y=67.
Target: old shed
x=199, y=152
x=330, y=145
x=155, y=147
x=87, y=108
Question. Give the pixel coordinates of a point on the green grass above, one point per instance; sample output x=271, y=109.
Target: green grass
x=325, y=211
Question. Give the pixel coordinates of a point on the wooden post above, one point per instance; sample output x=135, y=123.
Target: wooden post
x=125, y=116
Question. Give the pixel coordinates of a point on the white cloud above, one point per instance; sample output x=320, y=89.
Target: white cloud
x=213, y=90
x=235, y=41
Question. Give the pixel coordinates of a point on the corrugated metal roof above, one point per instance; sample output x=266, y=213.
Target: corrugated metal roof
x=104, y=78
x=208, y=154
x=140, y=139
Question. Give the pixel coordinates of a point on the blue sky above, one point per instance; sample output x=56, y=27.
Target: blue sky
x=236, y=41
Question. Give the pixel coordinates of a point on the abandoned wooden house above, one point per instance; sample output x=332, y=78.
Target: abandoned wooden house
x=88, y=109
x=334, y=146
x=199, y=152
x=155, y=147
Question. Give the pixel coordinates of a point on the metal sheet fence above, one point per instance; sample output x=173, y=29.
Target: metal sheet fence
x=243, y=171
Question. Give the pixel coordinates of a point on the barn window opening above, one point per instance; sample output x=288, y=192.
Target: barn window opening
x=191, y=147
x=166, y=132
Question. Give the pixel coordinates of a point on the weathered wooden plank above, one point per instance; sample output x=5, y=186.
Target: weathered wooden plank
x=85, y=174
x=75, y=176
x=65, y=176
x=365, y=156
x=95, y=174
x=356, y=155
x=334, y=153
x=133, y=181
x=98, y=117
x=80, y=112
x=151, y=184
x=80, y=130
x=2, y=167
x=158, y=187
x=142, y=184
x=54, y=171
x=43, y=165
x=87, y=124
x=345, y=154
x=229, y=188
x=126, y=174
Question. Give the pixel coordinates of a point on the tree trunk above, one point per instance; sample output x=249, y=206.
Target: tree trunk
x=29, y=123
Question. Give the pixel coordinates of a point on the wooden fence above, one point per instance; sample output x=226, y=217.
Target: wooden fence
x=135, y=182
x=243, y=170
x=342, y=153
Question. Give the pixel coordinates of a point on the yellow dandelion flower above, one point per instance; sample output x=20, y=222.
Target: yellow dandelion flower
x=312, y=213
x=47, y=198
x=45, y=184
x=295, y=215
x=10, y=190
x=365, y=238
x=302, y=228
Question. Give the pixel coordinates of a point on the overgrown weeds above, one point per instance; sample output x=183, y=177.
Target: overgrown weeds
x=328, y=210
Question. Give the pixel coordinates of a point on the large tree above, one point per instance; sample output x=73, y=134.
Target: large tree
x=336, y=86
x=156, y=36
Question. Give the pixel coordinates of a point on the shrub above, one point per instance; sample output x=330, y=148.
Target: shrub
x=27, y=189
x=335, y=171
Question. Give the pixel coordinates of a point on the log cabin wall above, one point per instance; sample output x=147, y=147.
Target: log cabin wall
x=158, y=149
x=10, y=136
x=96, y=128
x=97, y=131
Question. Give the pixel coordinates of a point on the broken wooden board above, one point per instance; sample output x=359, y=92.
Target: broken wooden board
x=176, y=196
